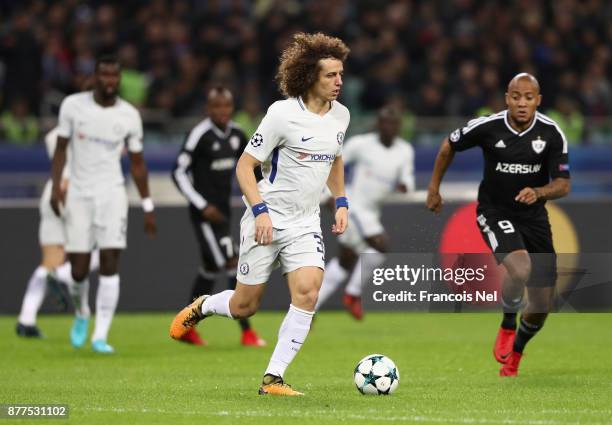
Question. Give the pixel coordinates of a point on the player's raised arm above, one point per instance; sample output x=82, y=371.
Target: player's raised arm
x=335, y=183
x=138, y=169
x=245, y=173
x=57, y=167
x=443, y=160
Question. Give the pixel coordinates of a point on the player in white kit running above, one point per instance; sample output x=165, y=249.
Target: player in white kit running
x=96, y=126
x=51, y=236
x=299, y=146
x=383, y=163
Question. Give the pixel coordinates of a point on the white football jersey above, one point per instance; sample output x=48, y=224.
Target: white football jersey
x=377, y=169
x=297, y=148
x=98, y=136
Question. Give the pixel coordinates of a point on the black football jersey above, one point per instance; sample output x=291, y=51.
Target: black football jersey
x=514, y=160
x=205, y=166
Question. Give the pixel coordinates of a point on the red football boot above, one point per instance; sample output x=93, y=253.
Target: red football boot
x=353, y=305
x=503, y=344
x=510, y=368
x=192, y=337
x=250, y=338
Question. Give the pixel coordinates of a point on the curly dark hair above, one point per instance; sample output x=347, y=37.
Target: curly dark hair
x=299, y=63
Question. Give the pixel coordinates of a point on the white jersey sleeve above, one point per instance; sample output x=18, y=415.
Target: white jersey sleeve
x=65, y=125
x=406, y=176
x=268, y=135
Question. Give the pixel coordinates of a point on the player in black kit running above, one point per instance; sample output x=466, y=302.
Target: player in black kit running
x=203, y=173
x=526, y=164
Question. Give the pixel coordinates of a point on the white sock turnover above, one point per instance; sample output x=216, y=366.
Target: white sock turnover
x=218, y=304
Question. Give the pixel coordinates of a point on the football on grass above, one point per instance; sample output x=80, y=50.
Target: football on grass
x=376, y=374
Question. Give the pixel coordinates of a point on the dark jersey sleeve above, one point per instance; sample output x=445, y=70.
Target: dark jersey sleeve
x=467, y=137
x=558, y=159
x=181, y=173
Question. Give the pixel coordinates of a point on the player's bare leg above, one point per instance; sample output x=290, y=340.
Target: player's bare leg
x=518, y=269
x=304, y=284
x=107, y=299
x=532, y=320
x=52, y=256
x=79, y=261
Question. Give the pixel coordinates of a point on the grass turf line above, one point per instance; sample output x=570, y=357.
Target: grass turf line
x=448, y=374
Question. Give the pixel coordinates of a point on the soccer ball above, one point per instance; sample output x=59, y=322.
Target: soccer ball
x=376, y=374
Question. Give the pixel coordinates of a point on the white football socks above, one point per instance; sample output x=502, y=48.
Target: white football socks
x=34, y=296
x=218, y=304
x=107, y=299
x=333, y=277
x=291, y=336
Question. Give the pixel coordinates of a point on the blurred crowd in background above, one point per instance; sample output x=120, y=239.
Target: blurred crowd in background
x=435, y=58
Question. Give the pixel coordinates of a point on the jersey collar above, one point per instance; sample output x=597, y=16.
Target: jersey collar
x=220, y=133
x=513, y=130
x=305, y=109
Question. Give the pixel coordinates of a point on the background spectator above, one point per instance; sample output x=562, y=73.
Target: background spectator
x=443, y=58
x=17, y=125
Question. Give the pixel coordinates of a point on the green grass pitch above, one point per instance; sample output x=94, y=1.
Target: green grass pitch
x=448, y=375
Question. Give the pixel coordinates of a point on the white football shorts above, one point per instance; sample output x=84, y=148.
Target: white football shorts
x=51, y=227
x=99, y=220
x=290, y=249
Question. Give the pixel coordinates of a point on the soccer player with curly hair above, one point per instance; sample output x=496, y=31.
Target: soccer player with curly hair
x=299, y=146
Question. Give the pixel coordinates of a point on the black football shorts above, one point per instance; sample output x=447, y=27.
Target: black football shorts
x=505, y=233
